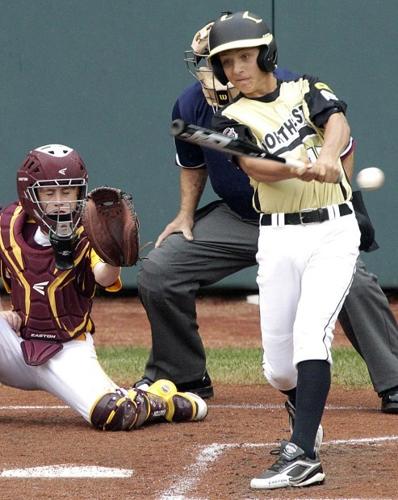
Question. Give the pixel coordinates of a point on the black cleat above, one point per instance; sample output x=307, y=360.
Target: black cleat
x=143, y=383
x=201, y=387
x=389, y=401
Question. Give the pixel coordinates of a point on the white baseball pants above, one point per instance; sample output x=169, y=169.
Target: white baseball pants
x=74, y=374
x=304, y=275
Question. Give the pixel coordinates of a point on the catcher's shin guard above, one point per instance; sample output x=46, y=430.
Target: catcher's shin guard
x=124, y=410
x=115, y=411
x=155, y=407
x=181, y=406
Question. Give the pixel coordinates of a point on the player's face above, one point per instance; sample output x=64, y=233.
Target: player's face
x=241, y=69
x=58, y=199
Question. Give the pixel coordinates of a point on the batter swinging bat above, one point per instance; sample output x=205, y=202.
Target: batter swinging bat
x=214, y=140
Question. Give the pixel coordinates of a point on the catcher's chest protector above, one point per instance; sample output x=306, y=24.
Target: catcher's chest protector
x=54, y=305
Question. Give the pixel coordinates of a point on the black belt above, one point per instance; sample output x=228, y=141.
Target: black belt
x=307, y=216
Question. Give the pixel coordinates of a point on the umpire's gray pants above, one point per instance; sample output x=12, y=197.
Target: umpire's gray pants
x=223, y=244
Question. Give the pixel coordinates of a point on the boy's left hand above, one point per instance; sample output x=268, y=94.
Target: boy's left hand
x=111, y=225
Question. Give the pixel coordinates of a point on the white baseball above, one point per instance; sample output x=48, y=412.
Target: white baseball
x=370, y=178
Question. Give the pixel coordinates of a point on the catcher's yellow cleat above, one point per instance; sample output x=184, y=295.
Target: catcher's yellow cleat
x=181, y=406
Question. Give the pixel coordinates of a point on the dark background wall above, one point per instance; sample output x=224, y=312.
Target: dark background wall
x=102, y=76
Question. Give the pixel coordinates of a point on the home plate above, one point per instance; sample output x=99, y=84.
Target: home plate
x=68, y=471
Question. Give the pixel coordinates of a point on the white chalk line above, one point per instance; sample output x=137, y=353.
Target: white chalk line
x=329, y=498
x=271, y=406
x=67, y=471
x=193, y=472
x=210, y=453
x=35, y=407
x=238, y=406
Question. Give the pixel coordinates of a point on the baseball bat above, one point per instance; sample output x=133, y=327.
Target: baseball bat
x=214, y=140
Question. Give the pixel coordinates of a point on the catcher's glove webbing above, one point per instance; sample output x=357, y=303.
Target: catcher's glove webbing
x=112, y=225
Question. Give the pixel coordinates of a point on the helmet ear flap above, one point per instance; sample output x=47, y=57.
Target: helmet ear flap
x=267, y=57
x=218, y=70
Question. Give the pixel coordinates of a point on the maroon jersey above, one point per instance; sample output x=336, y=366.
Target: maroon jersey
x=54, y=305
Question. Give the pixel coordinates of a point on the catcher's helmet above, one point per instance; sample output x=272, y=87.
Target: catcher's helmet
x=53, y=165
x=216, y=93
x=240, y=30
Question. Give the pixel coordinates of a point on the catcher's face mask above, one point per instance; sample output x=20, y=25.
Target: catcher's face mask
x=59, y=204
x=216, y=93
x=52, y=184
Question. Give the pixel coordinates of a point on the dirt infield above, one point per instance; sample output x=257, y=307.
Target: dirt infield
x=214, y=459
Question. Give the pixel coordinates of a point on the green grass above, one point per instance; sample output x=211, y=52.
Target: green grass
x=229, y=365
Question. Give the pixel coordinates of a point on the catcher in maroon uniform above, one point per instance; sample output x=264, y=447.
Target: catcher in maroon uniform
x=50, y=268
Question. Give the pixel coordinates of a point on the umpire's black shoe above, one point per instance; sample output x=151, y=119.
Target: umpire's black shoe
x=202, y=387
x=389, y=401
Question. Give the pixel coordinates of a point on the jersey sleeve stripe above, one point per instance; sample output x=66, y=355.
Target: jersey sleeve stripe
x=178, y=162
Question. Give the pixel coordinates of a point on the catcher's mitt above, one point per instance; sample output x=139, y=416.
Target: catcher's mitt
x=111, y=225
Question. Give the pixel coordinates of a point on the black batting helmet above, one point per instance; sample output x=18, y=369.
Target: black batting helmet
x=240, y=30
